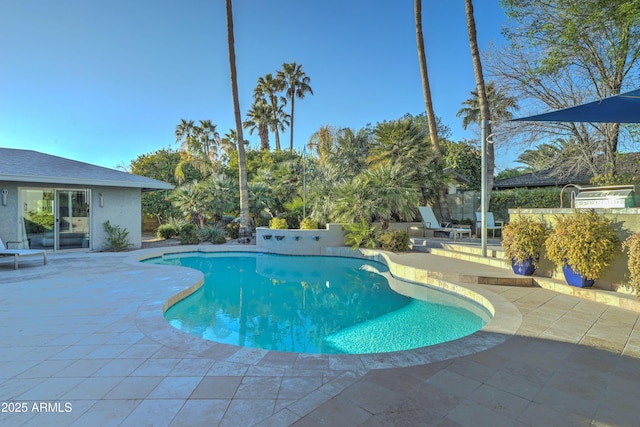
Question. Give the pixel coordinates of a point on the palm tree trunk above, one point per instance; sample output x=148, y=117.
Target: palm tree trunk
x=483, y=103
x=263, y=132
x=245, y=224
x=431, y=117
x=293, y=100
x=275, y=121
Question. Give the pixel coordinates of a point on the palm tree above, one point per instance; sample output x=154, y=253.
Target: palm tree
x=431, y=117
x=192, y=201
x=401, y=143
x=229, y=139
x=267, y=89
x=221, y=195
x=377, y=194
x=184, y=130
x=259, y=117
x=483, y=101
x=560, y=157
x=210, y=143
x=501, y=106
x=296, y=86
x=279, y=120
x=200, y=146
x=395, y=192
x=349, y=156
x=321, y=141
x=245, y=224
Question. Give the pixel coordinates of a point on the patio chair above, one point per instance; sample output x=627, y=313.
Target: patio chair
x=491, y=224
x=16, y=253
x=430, y=222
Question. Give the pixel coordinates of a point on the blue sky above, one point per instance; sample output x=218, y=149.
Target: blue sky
x=104, y=82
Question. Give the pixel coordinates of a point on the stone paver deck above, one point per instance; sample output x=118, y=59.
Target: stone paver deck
x=83, y=343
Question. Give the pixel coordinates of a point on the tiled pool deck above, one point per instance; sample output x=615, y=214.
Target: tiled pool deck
x=83, y=343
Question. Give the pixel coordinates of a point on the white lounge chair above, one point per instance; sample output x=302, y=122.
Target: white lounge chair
x=430, y=222
x=16, y=253
x=492, y=224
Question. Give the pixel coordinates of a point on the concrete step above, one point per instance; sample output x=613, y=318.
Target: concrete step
x=493, y=251
x=418, y=244
x=462, y=262
x=455, y=270
x=471, y=257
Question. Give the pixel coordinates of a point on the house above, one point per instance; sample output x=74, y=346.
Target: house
x=456, y=179
x=543, y=178
x=628, y=164
x=55, y=203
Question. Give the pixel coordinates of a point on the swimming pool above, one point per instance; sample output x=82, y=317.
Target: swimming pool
x=314, y=304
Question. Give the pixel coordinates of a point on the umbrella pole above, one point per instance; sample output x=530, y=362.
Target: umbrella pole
x=483, y=190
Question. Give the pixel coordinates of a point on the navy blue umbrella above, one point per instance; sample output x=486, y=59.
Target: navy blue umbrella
x=623, y=108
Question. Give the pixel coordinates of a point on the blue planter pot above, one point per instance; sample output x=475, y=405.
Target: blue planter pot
x=525, y=268
x=575, y=279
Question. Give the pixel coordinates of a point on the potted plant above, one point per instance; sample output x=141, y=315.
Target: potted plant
x=583, y=244
x=523, y=240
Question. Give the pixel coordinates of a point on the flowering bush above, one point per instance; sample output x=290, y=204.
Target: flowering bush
x=585, y=240
x=524, y=238
x=394, y=240
x=278, y=223
x=308, y=224
x=632, y=246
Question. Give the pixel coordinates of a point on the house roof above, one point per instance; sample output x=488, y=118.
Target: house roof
x=35, y=167
x=545, y=178
x=626, y=164
x=457, y=176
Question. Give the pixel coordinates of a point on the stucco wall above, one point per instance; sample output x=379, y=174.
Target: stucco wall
x=8, y=217
x=122, y=207
x=615, y=277
x=299, y=242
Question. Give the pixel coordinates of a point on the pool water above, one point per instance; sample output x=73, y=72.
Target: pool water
x=313, y=304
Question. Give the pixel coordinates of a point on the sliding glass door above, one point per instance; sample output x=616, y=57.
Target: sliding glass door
x=72, y=219
x=38, y=220
x=55, y=219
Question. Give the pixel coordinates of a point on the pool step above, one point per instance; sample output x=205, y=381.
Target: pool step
x=509, y=280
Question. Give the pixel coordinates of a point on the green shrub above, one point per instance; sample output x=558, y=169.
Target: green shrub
x=524, y=238
x=278, y=223
x=308, y=224
x=503, y=200
x=214, y=235
x=228, y=218
x=166, y=231
x=117, y=237
x=177, y=222
x=632, y=246
x=585, y=240
x=233, y=230
x=361, y=234
x=189, y=234
x=394, y=240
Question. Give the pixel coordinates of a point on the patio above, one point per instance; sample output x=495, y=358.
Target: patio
x=86, y=329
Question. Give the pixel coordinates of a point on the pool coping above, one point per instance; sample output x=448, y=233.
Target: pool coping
x=183, y=281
